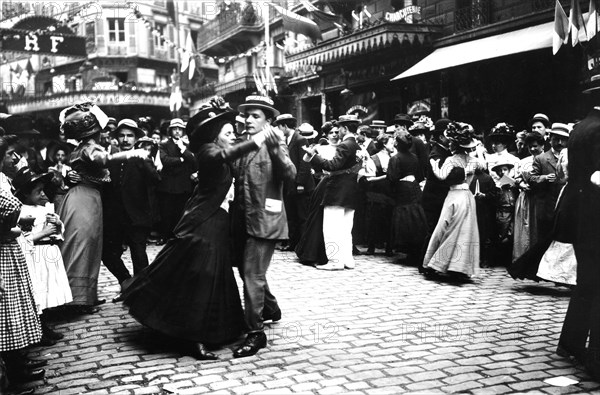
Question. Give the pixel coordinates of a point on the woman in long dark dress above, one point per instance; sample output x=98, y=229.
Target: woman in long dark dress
x=189, y=291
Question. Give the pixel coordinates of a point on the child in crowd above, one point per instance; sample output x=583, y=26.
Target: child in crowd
x=42, y=231
x=505, y=211
x=60, y=171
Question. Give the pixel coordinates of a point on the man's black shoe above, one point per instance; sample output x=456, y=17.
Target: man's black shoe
x=253, y=343
x=273, y=317
x=32, y=364
x=21, y=391
x=26, y=375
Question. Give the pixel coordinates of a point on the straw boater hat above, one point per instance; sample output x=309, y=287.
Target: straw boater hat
x=307, y=131
x=379, y=125
x=284, y=117
x=543, y=118
x=128, y=124
x=256, y=101
x=198, y=127
x=560, y=129
x=351, y=118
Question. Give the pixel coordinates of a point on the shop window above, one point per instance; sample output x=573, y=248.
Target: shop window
x=116, y=30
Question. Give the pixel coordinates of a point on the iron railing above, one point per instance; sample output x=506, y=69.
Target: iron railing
x=476, y=15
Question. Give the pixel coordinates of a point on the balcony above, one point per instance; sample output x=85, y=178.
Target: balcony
x=231, y=32
x=360, y=45
x=237, y=84
x=472, y=17
x=102, y=98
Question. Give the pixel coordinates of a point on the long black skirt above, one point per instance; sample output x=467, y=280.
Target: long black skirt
x=311, y=247
x=189, y=291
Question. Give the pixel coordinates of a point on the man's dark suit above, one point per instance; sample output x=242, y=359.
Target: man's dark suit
x=297, y=192
x=546, y=193
x=583, y=314
x=127, y=215
x=341, y=187
x=175, y=186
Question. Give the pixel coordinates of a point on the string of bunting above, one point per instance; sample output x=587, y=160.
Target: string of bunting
x=218, y=59
x=53, y=27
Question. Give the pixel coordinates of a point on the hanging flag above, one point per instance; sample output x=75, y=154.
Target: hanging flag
x=258, y=82
x=560, y=35
x=29, y=67
x=171, y=11
x=592, y=23
x=323, y=104
x=18, y=70
x=188, y=60
x=298, y=23
x=322, y=18
x=272, y=82
x=576, y=23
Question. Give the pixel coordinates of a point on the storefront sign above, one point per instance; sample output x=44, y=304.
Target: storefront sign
x=101, y=98
x=405, y=14
x=359, y=110
x=45, y=43
x=419, y=107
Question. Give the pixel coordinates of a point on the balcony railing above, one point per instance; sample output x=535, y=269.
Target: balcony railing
x=477, y=15
x=228, y=21
x=116, y=49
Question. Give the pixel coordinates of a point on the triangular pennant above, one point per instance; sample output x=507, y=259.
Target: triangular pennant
x=576, y=23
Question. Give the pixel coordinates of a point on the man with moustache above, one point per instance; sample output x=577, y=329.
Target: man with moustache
x=127, y=208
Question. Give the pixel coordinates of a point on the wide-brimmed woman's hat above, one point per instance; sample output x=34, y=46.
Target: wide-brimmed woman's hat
x=25, y=178
x=502, y=131
x=499, y=165
x=199, y=128
x=261, y=102
x=19, y=125
x=461, y=134
x=85, y=126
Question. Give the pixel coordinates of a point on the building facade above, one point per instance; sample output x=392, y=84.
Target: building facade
x=131, y=64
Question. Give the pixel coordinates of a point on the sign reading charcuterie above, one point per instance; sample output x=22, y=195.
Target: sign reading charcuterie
x=42, y=43
x=405, y=14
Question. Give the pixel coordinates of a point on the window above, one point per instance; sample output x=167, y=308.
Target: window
x=160, y=31
x=116, y=30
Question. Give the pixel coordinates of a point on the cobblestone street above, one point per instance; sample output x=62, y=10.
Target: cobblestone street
x=381, y=328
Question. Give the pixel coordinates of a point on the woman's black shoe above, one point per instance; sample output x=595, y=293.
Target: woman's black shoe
x=202, y=354
x=21, y=391
x=46, y=341
x=50, y=333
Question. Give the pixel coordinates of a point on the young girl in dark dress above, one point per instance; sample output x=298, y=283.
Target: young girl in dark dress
x=189, y=291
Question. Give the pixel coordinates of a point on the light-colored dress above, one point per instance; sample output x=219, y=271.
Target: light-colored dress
x=45, y=263
x=524, y=226
x=454, y=244
x=81, y=213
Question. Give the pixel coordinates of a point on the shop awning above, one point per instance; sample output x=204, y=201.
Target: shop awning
x=523, y=40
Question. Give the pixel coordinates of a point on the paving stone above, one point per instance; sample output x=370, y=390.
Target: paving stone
x=381, y=328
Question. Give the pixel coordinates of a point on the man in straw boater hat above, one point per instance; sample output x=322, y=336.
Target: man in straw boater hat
x=259, y=218
x=544, y=182
x=540, y=123
x=128, y=208
x=580, y=336
x=296, y=192
x=340, y=196
x=175, y=186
